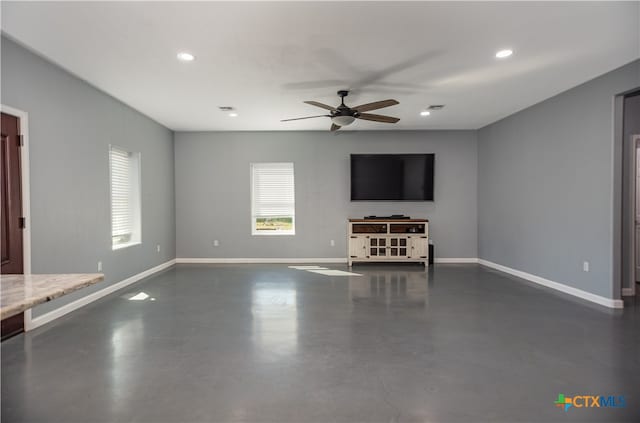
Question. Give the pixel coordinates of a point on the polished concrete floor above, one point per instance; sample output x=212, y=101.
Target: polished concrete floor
x=267, y=343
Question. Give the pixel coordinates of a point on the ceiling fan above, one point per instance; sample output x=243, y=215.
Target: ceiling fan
x=344, y=115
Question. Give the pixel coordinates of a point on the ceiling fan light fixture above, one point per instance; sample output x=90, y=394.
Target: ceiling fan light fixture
x=343, y=120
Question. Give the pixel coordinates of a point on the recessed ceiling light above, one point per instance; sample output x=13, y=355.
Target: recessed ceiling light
x=233, y=114
x=183, y=56
x=504, y=53
x=425, y=113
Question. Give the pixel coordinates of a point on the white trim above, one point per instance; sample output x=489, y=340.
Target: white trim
x=68, y=308
x=26, y=193
x=455, y=260
x=284, y=260
x=598, y=299
x=259, y=260
x=616, y=222
x=628, y=292
x=126, y=245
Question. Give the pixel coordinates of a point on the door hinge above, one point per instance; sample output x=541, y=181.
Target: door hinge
x=22, y=222
x=20, y=140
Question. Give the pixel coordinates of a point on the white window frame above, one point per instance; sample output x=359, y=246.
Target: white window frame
x=254, y=215
x=135, y=198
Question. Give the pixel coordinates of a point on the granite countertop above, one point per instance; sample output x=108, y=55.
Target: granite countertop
x=21, y=292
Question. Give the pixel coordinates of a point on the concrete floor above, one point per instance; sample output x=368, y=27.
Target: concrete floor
x=265, y=343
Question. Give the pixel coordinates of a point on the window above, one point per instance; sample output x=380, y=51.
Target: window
x=272, y=199
x=124, y=169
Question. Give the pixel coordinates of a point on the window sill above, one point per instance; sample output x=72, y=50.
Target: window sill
x=273, y=233
x=127, y=245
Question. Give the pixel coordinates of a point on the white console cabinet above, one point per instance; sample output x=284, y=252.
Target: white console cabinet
x=388, y=240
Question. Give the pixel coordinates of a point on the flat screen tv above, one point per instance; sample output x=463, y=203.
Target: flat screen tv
x=392, y=177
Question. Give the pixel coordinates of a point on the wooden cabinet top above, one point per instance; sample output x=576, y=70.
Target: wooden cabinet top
x=387, y=220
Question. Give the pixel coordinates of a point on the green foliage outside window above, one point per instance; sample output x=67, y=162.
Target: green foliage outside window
x=274, y=223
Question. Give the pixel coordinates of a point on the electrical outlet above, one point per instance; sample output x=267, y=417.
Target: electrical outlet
x=99, y=266
x=158, y=247
x=332, y=243
x=585, y=266
x=216, y=243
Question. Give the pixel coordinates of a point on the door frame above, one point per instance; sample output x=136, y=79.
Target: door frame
x=623, y=217
x=635, y=142
x=26, y=196
x=630, y=290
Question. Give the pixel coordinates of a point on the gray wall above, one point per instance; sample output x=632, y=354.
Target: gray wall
x=545, y=185
x=71, y=125
x=213, y=198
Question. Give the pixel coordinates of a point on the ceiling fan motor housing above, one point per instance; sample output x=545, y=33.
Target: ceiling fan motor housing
x=344, y=111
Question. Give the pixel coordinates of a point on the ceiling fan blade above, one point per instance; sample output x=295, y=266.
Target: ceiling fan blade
x=378, y=118
x=313, y=85
x=380, y=75
x=375, y=105
x=308, y=117
x=324, y=106
x=334, y=127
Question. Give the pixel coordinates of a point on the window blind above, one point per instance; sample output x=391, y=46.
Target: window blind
x=121, y=196
x=273, y=192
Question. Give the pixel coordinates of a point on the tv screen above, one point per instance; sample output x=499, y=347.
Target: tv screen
x=392, y=177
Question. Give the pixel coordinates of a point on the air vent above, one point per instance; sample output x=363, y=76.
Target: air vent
x=226, y=108
x=436, y=107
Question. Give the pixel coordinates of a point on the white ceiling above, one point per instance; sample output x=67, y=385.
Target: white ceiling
x=266, y=58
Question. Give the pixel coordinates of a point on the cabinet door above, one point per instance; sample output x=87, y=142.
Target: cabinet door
x=378, y=247
x=419, y=247
x=358, y=246
x=398, y=247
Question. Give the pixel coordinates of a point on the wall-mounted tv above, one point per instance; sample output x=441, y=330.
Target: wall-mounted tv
x=392, y=177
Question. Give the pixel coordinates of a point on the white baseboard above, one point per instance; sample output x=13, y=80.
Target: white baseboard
x=284, y=260
x=628, y=292
x=30, y=324
x=260, y=260
x=455, y=260
x=598, y=299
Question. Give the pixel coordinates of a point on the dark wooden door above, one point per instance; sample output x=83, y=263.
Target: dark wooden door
x=11, y=219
